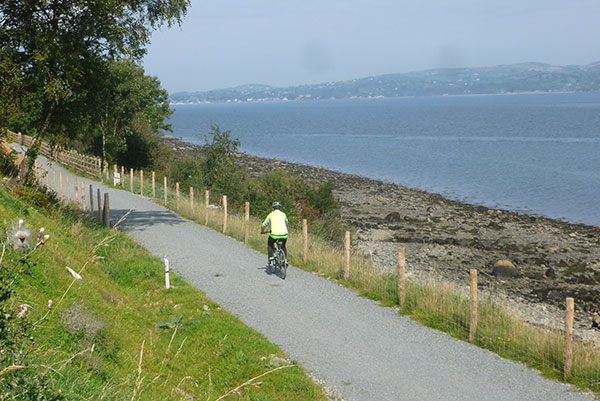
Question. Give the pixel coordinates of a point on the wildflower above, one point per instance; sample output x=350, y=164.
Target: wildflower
x=73, y=273
x=49, y=304
x=22, y=310
x=20, y=235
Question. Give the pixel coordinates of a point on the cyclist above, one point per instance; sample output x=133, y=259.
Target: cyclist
x=277, y=221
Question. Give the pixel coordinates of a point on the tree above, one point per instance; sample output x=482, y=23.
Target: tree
x=10, y=86
x=219, y=171
x=128, y=103
x=56, y=47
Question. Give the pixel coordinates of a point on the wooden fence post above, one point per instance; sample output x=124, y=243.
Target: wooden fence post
x=67, y=187
x=99, y=207
x=60, y=183
x=206, y=201
x=473, y=308
x=246, y=221
x=568, y=354
x=192, y=201
x=142, y=182
x=54, y=180
x=106, y=211
x=83, y=195
x=224, y=214
x=131, y=179
x=401, y=275
x=165, y=188
x=76, y=191
x=305, y=237
x=153, y=185
x=347, y=256
x=47, y=178
x=91, y=201
x=177, y=194
x=122, y=176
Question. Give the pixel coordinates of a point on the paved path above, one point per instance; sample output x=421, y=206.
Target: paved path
x=366, y=351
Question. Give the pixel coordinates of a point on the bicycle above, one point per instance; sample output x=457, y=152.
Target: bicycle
x=279, y=260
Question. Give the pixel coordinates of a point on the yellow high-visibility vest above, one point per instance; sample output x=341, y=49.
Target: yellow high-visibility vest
x=278, y=221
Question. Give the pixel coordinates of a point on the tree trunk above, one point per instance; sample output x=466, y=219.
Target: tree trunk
x=25, y=174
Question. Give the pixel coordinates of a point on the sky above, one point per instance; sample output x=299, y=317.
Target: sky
x=226, y=43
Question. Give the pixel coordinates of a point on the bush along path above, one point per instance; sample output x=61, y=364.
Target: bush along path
x=367, y=352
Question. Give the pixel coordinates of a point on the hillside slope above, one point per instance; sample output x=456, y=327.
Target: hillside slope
x=513, y=78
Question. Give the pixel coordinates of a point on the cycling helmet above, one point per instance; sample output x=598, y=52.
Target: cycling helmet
x=276, y=205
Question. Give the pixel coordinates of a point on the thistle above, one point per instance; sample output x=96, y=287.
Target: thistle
x=20, y=235
x=22, y=310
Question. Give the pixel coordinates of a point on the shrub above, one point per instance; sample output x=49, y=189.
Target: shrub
x=7, y=164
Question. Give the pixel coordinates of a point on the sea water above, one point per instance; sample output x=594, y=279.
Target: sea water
x=534, y=153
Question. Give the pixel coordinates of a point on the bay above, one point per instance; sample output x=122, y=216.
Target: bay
x=534, y=153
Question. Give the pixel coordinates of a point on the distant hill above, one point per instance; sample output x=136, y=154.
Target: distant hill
x=512, y=78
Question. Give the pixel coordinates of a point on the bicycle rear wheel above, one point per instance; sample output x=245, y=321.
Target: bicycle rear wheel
x=283, y=269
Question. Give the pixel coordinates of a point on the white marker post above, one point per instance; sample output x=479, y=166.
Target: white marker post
x=167, y=282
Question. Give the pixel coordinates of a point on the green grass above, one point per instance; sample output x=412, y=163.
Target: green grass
x=115, y=308
x=436, y=304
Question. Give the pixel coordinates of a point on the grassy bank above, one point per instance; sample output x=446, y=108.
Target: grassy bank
x=117, y=333
x=437, y=304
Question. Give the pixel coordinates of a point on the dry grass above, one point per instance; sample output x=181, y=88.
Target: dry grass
x=437, y=304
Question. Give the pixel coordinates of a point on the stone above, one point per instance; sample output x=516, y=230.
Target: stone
x=393, y=217
x=505, y=268
x=557, y=295
x=550, y=273
x=596, y=321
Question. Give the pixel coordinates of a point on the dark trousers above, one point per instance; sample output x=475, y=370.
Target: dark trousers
x=271, y=246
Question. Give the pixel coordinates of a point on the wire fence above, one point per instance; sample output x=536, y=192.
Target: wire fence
x=88, y=164
x=462, y=310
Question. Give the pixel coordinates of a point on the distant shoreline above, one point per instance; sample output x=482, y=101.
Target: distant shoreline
x=380, y=98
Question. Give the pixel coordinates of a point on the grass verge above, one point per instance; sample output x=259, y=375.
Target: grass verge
x=103, y=340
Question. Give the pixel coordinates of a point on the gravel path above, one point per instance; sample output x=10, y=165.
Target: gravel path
x=365, y=351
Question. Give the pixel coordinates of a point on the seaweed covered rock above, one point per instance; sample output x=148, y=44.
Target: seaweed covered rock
x=505, y=268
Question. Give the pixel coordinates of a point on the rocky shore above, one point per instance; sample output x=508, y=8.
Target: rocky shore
x=534, y=262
